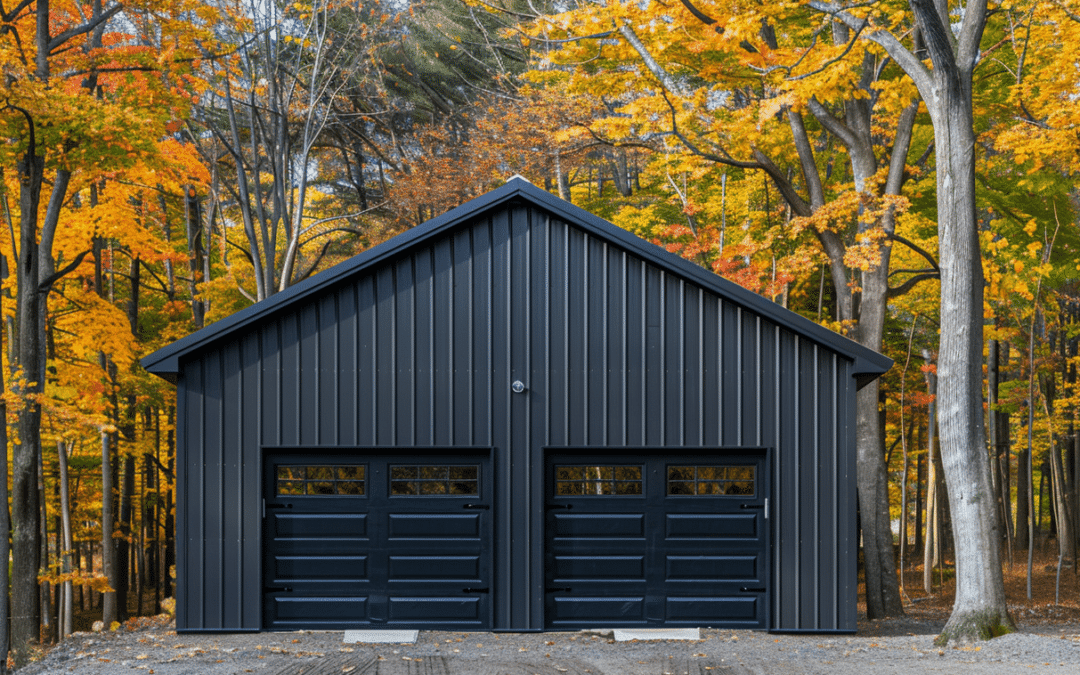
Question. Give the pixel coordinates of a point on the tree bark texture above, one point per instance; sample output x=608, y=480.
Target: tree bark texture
x=25, y=539
x=5, y=523
x=934, y=491
x=108, y=545
x=65, y=515
x=979, y=610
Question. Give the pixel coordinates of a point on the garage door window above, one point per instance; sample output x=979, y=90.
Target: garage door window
x=320, y=480
x=698, y=481
x=597, y=481
x=427, y=480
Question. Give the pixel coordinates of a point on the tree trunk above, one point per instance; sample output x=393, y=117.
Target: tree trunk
x=194, y=228
x=932, y=540
x=5, y=517
x=108, y=546
x=992, y=379
x=48, y=623
x=1023, y=496
x=1005, y=452
x=25, y=540
x=65, y=518
x=123, y=544
x=918, y=492
x=169, y=558
x=979, y=610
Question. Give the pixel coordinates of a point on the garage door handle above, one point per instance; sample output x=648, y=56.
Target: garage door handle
x=565, y=589
x=477, y=506
x=475, y=590
x=284, y=589
x=747, y=589
x=751, y=506
x=279, y=506
x=560, y=506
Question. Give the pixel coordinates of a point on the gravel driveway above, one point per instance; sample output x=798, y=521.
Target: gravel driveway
x=901, y=646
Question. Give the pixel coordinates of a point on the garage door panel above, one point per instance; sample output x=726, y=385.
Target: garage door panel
x=714, y=526
x=589, y=610
x=599, y=567
x=718, y=568
x=320, y=610
x=311, y=525
x=350, y=543
x=713, y=610
x=688, y=548
x=435, y=568
x=320, y=546
x=435, y=525
x=468, y=610
x=318, y=568
x=599, y=525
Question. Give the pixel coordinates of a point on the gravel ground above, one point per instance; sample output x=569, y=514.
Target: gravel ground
x=903, y=647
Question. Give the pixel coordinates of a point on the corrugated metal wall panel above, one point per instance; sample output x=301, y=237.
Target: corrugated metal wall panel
x=806, y=483
x=787, y=488
x=346, y=431
x=213, y=516
x=249, y=504
x=232, y=489
x=421, y=352
x=288, y=394
x=826, y=548
x=845, y=476
x=367, y=370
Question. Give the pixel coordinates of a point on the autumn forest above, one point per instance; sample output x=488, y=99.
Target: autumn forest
x=901, y=171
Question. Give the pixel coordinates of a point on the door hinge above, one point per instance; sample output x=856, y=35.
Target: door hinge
x=766, y=508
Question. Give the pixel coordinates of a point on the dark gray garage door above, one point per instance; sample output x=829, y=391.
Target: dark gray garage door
x=656, y=540
x=362, y=540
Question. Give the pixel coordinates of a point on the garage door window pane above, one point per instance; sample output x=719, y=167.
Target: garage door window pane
x=597, y=481
x=698, y=481
x=445, y=480
x=324, y=480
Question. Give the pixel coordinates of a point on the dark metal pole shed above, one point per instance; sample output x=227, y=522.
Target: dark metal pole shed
x=516, y=416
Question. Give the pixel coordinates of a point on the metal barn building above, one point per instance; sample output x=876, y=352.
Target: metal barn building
x=516, y=417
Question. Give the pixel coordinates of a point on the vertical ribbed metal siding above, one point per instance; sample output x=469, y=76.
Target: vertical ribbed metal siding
x=614, y=352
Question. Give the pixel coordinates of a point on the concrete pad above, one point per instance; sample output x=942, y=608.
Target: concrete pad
x=627, y=634
x=373, y=636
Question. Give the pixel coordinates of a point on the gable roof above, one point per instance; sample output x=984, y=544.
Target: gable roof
x=869, y=364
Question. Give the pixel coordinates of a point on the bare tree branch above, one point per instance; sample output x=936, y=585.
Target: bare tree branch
x=651, y=63
x=90, y=25
x=918, y=249
x=907, y=61
x=911, y=283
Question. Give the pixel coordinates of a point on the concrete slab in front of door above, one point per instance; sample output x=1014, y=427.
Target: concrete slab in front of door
x=373, y=636
x=627, y=634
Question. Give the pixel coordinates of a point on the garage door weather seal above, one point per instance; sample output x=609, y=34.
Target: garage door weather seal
x=371, y=636
x=627, y=634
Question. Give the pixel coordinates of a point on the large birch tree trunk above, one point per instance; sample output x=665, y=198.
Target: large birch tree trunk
x=979, y=610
